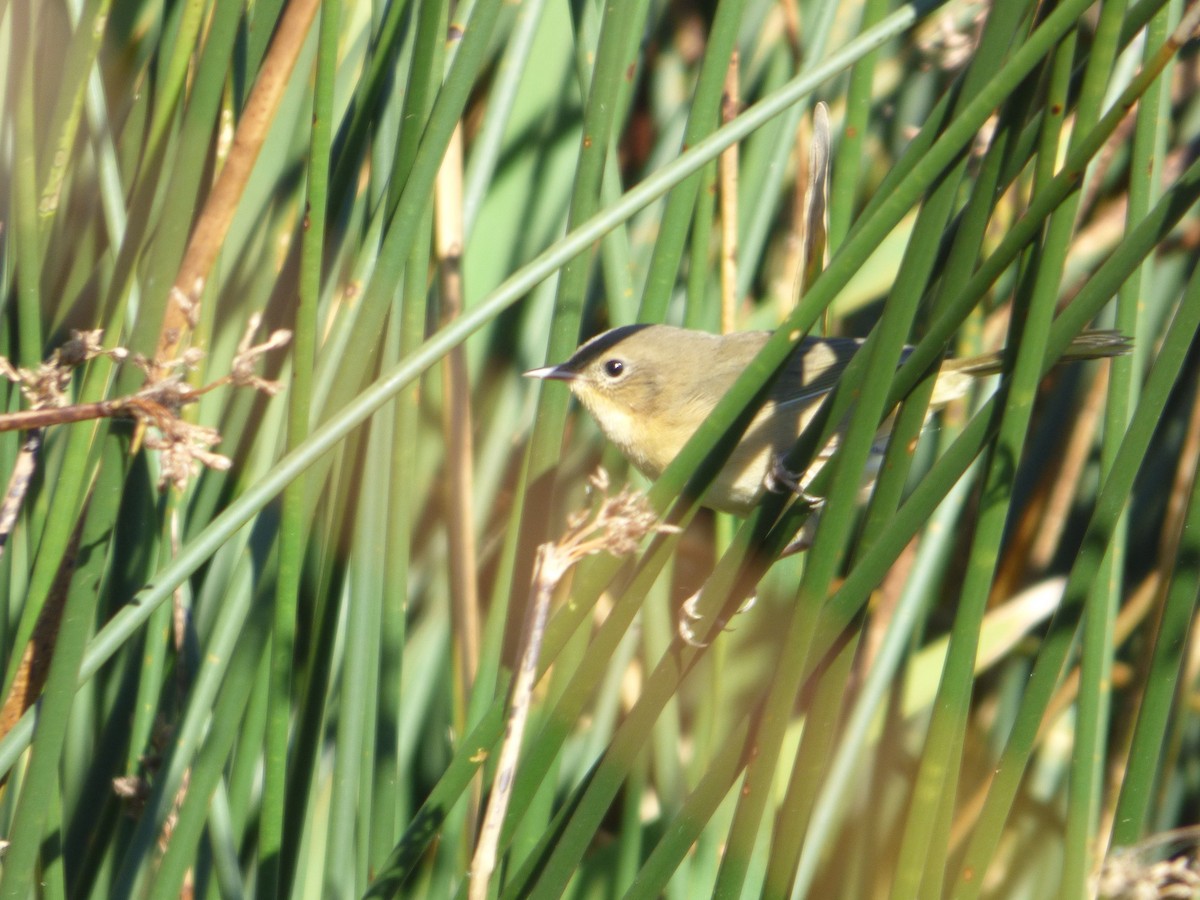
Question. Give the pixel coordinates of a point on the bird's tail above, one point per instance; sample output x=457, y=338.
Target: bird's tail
x=1088, y=345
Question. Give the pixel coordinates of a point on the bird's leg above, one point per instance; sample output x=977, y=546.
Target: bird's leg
x=779, y=479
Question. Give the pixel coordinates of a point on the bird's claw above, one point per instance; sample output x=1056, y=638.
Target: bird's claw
x=688, y=617
x=802, y=542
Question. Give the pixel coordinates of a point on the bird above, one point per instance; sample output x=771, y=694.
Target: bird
x=649, y=387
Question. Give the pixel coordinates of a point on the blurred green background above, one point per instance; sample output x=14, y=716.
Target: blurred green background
x=289, y=677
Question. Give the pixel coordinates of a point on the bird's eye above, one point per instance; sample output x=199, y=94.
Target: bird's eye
x=613, y=368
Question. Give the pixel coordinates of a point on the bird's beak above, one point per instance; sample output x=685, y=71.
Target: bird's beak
x=552, y=373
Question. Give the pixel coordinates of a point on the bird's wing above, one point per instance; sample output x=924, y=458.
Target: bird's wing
x=814, y=369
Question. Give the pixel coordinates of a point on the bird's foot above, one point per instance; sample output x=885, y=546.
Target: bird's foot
x=780, y=479
x=690, y=617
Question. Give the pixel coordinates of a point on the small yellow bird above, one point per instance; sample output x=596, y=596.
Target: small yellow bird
x=649, y=387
